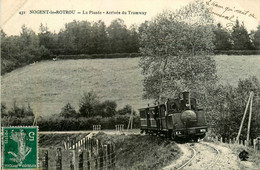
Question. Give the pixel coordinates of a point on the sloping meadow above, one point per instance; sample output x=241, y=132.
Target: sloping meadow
x=47, y=86
x=141, y=152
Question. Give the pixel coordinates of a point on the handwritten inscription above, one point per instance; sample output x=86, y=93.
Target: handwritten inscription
x=228, y=13
x=229, y=9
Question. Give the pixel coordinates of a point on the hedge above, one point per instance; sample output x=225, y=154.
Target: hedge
x=99, y=56
x=55, y=123
x=237, y=52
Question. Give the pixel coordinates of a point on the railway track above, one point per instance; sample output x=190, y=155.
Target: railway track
x=190, y=160
x=204, y=156
x=216, y=159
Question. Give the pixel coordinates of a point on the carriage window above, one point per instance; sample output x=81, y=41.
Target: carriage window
x=162, y=110
x=173, y=106
x=142, y=114
x=193, y=104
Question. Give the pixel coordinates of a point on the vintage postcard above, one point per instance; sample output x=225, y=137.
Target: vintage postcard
x=133, y=84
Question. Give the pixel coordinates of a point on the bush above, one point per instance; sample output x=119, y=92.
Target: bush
x=68, y=111
x=17, y=121
x=226, y=108
x=126, y=110
x=108, y=108
x=16, y=111
x=90, y=106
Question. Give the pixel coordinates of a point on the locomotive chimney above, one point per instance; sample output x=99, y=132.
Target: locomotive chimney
x=186, y=98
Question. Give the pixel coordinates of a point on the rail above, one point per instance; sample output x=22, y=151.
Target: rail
x=195, y=153
x=189, y=161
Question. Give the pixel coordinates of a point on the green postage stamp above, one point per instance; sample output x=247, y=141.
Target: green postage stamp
x=20, y=147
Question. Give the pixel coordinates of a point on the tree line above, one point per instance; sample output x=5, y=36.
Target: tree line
x=91, y=112
x=83, y=37
x=77, y=37
x=89, y=106
x=236, y=39
x=98, y=40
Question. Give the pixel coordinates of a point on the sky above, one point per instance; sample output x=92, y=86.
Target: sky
x=13, y=16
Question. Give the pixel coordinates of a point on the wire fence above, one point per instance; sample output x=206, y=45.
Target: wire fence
x=87, y=153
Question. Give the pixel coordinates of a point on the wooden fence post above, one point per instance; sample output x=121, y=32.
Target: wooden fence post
x=58, y=159
x=91, y=163
x=246, y=143
x=91, y=145
x=43, y=158
x=254, y=143
x=76, y=159
x=87, y=143
x=51, y=158
x=97, y=154
x=101, y=156
x=113, y=158
x=66, y=160
x=109, y=155
x=105, y=161
x=225, y=140
x=84, y=142
x=86, y=160
x=81, y=160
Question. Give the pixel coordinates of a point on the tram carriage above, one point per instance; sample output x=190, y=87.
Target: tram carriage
x=176, y=118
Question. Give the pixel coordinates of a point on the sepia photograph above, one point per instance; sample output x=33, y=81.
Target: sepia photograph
x=130, y=85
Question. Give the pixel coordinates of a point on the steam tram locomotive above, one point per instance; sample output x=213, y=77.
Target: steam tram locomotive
x=177, y=119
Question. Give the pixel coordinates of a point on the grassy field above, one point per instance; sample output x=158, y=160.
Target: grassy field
x=49, y=85
x=232, y=68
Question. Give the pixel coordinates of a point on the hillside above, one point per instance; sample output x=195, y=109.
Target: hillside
x=49, y=85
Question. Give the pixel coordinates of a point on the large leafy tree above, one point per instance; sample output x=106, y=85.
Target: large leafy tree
x=98, y=38
x=118, y=36
x=133, y=39
x=256, y=38
x=20, y=50
x=222, y=38
x=30, y=49
x=175, y=48
x=240, y=37
x=75, y=37
x=88, y=105
x=48, y=39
